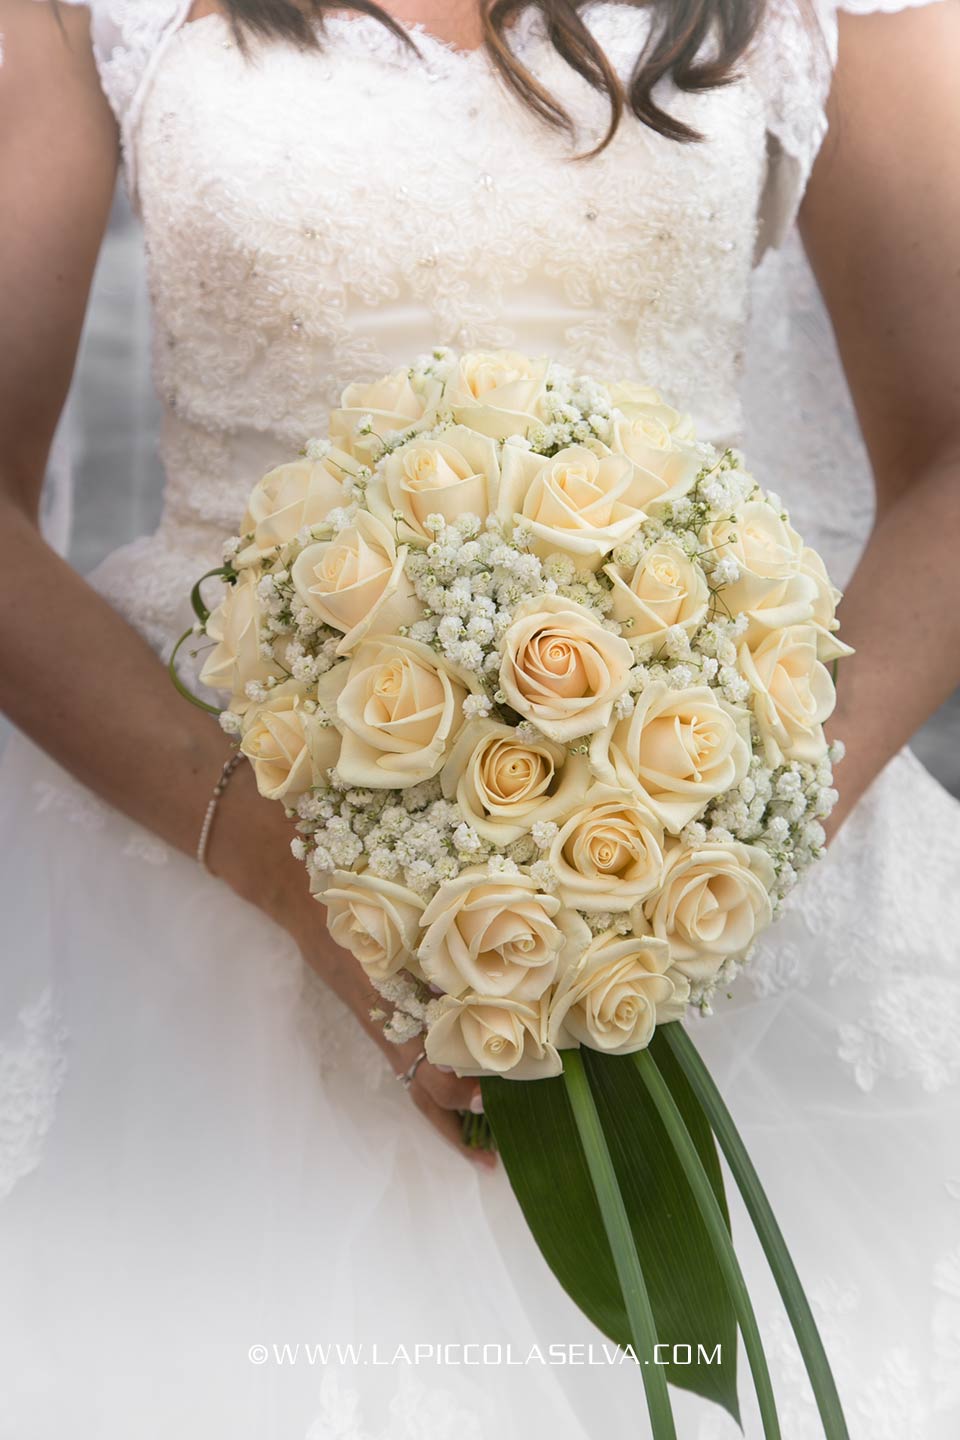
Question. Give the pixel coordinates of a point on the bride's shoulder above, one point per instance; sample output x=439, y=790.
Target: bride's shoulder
x=126, y=35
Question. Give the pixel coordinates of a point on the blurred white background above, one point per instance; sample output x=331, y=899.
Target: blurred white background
x=113, y=425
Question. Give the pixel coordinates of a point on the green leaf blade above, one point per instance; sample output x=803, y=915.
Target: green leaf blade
x=720, y=1237
x=538, y=1140
x=673, y=1040
x=619, y=1233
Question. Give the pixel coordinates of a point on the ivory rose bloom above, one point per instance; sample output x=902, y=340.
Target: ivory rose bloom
x=657, y=440
x=504, y=785
x=289, y=747
x=498, y=393
x=376, y=920
x=608, y=854
x=676, y=751
x=561, y=669
x=665, y=588
x=793, y=694
x=614, y=999
x=455, y=474
x=399, y=707
x=356, y=582
x=498, y=936
x=480, y=1036
x=646, y=403
x=235, y=658
x=292, y=498
x=583, y=500
x=713, y=902
x=773, y=590
x=393, y=403
x=825, y=603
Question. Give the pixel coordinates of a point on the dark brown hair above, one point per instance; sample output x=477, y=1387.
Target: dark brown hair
x=681, y=30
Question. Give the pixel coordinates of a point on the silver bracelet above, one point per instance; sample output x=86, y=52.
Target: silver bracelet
x=218, y=789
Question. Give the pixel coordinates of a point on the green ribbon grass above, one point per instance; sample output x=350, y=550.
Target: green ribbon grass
x=620, y=1237
x=719, y=1234
x=768, y=1231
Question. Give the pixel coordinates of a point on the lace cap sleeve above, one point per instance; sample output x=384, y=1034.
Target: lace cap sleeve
x=129, y=37
x=793, y=61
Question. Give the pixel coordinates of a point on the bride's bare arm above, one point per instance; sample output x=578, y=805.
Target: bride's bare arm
x=880, y=223
x=73, y=675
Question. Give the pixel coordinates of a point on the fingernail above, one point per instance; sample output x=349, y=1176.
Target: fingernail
x=476, y=1104
x=444, y=1069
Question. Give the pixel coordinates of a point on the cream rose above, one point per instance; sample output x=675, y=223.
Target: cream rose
x=645, y=403
x=376, y=920
x=658, y=441
x=399, y=708
x=561, y=668
x=356, y=583
x=581, y=501
x=664, y=589
x=713, y=902
x=614, y=999
x=394, y=403
x=793, y=694
x=609, y=854
x=498, y=393
x=825, y=603
x=677, y=751
x=480, y=1036
x=772, y=590
x=235, y=659
x=504, y=785
x=289, y=746
x=457, y=474
x=292, y=498
x=498, y=936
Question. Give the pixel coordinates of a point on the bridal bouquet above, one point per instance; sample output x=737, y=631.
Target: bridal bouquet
x=541, y=680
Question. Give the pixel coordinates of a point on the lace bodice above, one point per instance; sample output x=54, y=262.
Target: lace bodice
x=312, y=218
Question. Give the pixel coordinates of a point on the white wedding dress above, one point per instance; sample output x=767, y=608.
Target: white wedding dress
x=200, y=1152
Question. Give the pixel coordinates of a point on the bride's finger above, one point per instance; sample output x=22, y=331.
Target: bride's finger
x=447, y=1123
x=446, y=1089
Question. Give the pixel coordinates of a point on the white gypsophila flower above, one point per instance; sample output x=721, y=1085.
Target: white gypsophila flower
x=543, y=833
x=477, y=707
x=230, y=722
x=499, y=866
x=466, y=838
x=676, y=642
x=599, y=921
x=544, y=876
x=402, y=1027
x=726, y=571
x=298, y=847
x=317, y=449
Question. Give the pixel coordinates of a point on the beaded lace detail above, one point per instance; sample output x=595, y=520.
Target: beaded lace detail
x=32, y=1064
x=279, y=269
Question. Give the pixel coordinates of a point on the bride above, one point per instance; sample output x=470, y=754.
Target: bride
x=214, y=1186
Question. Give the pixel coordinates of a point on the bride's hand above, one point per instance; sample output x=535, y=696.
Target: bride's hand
x=250, y=848
x=439, y=1095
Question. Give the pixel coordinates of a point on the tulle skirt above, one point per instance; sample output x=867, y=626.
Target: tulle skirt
x=222, y=1217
